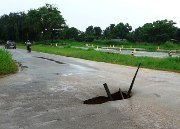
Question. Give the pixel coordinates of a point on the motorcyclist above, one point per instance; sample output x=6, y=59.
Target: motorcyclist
x=28, y=43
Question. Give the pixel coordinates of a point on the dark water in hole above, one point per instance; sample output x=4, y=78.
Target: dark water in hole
x=103, y=99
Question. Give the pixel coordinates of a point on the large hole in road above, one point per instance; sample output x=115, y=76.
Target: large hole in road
x=103, y=99
x=112, y=97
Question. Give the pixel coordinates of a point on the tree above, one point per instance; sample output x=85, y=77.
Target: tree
x=164, y=30
x=177, y=34
x=71, y=33
x=117, y=31
x=158, y=31
x=97, y=32
x=4, y=22
x=11, y=26
x=89, y=34
x=50, y=18
x=89, y=30
x=122, y=30
x=33, y=25
x=109, y=32
x=81, y=36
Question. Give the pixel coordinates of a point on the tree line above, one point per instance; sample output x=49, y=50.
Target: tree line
x=47, y=23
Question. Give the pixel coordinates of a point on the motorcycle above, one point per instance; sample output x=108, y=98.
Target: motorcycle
x=29, y=48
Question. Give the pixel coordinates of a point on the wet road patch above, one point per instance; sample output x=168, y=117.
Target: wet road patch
x=22, y=67
x=58, y=62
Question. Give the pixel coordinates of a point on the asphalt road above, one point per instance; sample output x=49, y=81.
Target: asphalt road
x=49, y=90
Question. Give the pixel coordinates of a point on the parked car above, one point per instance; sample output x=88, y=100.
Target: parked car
x=10, y=45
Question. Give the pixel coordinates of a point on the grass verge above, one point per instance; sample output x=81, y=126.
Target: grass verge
x=7, y=65
x=167, y=64
x=148, y=46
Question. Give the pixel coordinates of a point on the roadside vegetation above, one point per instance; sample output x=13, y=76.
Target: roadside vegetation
x=168, y=45
x=168, y=64
x=7, y=65
x=40, y=26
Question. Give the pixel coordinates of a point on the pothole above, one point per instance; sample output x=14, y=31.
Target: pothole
x=51, y=60
x=22, y=67
x=103, y=99
x=120, y=95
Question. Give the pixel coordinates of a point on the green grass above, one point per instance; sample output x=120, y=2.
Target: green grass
x=152, y=47
x=168, y=64
x=104, y=43
x=147, y=46
x=7, y=65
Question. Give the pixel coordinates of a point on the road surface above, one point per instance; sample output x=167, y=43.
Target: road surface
x=49, y=90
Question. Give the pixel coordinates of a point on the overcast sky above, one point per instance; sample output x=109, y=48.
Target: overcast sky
x=102, y=13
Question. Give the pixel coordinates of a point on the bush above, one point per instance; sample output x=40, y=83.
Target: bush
x=111, y=42
x=168, y=44
x=7, y=65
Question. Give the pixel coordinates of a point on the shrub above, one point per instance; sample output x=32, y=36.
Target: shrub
x=7, y=65
x=168, y=44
